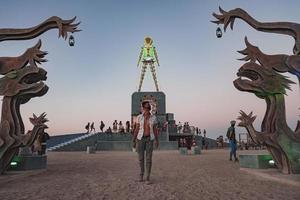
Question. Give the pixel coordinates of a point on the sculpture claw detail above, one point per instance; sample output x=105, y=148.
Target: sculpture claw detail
x=65, y=26
x=246, y=120
x=224, y=18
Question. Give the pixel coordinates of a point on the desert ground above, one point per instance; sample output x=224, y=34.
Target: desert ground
x=113, y=175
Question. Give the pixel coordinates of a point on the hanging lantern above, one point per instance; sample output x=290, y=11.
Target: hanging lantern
x=71, y=41
x=219, y=32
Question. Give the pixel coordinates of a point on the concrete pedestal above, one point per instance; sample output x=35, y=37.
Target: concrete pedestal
x=29, y=162
x=256, y=161
x=183, y=150
x=195, y=150
x=90, y=149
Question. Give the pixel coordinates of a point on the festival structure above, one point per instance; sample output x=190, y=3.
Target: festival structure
x=23, y=80
x=264, y=79
x=168, y=135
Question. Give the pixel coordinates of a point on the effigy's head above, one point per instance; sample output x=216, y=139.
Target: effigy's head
x=25, y=83
x=261, y=81
x=148, y=41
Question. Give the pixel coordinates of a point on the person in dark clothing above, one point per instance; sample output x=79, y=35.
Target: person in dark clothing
x=127, y=127
x=93, y=127
x=102, y=125
x=87, y=127
x=232, y=140
x=109, y=130
x=43, y=141
x=203, y=142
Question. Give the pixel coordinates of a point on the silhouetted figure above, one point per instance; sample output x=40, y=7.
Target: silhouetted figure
x=203, y=142
x=127, y=127
x=108, y=130
x=180, y=142
x=121, y=127
x=184, y=143
x=184, y=127
x=42, y=138
x=87, y=127
x=179, y=127
x=188, y=128
x=93, y=127
x=115, y=126
x=102, y=125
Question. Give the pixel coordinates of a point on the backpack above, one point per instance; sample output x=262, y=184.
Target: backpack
x=230, y=132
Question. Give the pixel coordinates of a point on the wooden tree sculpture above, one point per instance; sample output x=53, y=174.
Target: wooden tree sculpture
x=23, y=80
x=263, y=78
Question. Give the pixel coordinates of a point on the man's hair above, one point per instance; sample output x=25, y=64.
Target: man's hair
x=144, y=103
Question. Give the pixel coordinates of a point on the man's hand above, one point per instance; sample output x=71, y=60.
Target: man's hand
x=156, y=144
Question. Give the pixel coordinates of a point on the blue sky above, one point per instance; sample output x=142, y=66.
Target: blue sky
x=94, y=80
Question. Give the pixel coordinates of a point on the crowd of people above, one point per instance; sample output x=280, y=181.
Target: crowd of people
x=117, y=127
x=186, y=128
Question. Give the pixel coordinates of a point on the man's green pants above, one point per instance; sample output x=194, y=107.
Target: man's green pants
x=145, y=145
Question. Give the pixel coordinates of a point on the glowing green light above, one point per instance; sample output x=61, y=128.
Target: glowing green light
x=13, y=164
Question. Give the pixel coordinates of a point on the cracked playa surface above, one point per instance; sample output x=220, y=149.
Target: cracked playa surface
x=113, y=175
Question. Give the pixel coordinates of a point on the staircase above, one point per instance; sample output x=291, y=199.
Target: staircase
x=58, y=146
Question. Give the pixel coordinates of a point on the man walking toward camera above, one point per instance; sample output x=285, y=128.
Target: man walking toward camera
x=145, y=133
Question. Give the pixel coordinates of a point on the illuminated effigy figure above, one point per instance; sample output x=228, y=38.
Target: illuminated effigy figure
x=148, y=57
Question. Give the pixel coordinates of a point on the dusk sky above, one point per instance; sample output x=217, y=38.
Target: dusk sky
x=94, y=80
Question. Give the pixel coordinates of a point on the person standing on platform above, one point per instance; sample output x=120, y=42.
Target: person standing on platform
x=145, y=134
x=179, y=127
x=93, y=127
x=42, y=138
x=127, y=126
x=87, y=127
x=203, y=142
x=115, y=127
x=232, y=140
x=102, y=125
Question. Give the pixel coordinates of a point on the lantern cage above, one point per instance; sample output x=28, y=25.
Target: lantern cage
x=71, y=40
x=219, y=32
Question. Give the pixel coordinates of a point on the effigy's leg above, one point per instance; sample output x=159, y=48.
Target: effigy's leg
x=152, y=67
x=144, y=67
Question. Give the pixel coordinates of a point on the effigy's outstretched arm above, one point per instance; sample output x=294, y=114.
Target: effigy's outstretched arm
x=64, y=27
x=156, y=56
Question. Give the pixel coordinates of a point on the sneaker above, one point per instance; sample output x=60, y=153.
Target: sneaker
x=148, y=182
x=236, y=160
x=230, y=159
x=141, y=179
